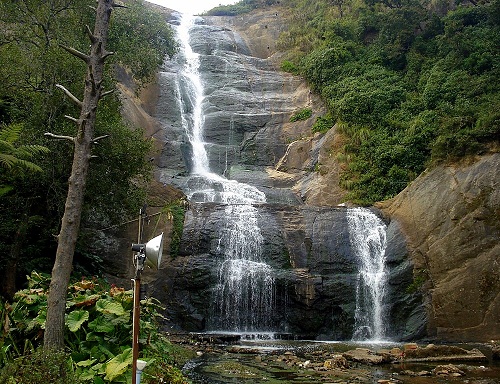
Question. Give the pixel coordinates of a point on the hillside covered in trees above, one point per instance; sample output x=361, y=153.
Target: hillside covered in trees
x=409, y=83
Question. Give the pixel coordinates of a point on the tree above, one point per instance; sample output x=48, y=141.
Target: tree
x=83, y=141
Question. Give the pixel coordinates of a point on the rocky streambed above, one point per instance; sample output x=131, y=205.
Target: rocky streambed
x=228, y=359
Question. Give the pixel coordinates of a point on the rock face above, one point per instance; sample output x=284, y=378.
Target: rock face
x=316, y=272
x=450, y=216
x=442, y=231
x=247, y=106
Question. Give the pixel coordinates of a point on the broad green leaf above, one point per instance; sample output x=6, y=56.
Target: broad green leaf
x=119, y=364
x=99, y=368
x=75, y=319
x=101, y=325
x=86, y=363
x=92, y=336
x=107, y=306
x=87, y=375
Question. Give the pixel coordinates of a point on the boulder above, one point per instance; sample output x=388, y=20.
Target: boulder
x=336, y=362
x=364, y=356
x=448, y=370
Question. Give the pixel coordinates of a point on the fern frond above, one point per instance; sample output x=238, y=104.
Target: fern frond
x=10, y=133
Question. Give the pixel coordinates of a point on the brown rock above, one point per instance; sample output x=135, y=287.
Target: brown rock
x=337, y=361
x=363, y=355
x=409, y=347
x=448, y=370
x=450, y=215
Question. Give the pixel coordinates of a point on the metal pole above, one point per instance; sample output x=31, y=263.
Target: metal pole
x=137, y=300
x=135, y=327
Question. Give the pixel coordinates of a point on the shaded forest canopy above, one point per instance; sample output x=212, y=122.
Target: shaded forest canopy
x=409, y=83
x=32, y=62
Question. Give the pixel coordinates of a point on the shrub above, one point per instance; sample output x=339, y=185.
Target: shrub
x=300, y=115
x=98, y=332
x=40, y=367
x=323, y=124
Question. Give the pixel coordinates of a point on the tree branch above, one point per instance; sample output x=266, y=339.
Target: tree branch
x=92, y=38
x=107, y=93
x=106, y=54
x=72, y=119
x=76, y=53
x=70, y=95
x=72, y=139
x=95, y=141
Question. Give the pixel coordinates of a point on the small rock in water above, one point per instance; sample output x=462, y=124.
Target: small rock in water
x=448, y=370
x=337, y=361
x=424, y=373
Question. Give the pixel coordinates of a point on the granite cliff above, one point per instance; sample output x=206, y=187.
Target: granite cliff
x=443, y=230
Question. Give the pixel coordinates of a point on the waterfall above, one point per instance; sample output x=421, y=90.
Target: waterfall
x=367, y=234
x=243, y=298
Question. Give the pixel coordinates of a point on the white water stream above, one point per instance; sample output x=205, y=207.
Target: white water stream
x=243, y=299
x=367, y=234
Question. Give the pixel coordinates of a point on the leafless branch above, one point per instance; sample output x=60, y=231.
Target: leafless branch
x=106, y=54
x=117, y=4
x=72, y=119
x=92, y=38
x=62, y=137
x=70, y=95
x=76, y=53
x=107, y=93
x=95, y=141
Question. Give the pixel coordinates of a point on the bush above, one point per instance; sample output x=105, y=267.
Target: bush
x=40, y=367
x=300, y=115
x=323, y=124
x=98, y=333
x=288, y=66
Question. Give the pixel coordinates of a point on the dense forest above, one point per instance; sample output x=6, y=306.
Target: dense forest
x=34, y=169
x=408, y=83
x=37, y=73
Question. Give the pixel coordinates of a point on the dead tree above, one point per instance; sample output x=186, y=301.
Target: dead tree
x=82, y=141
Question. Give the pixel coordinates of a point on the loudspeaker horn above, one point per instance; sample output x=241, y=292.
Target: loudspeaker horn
x=154, y=251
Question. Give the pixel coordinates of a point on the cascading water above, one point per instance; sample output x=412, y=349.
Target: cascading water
x=243, y=299
x=367, y=234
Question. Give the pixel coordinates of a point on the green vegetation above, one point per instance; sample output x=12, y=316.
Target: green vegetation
x=323, y=124
x=98, y=337
x=409, y=83
x=420, y=277
x=303, y=114
x=176, y=212
x=244, y=6
x=31, y=64
x=40, y=367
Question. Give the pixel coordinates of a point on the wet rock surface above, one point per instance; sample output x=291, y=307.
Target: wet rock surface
x=303, y=362
x=316, y=272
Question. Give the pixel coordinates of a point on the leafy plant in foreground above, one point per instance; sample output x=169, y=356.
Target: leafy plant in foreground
x=98, y=331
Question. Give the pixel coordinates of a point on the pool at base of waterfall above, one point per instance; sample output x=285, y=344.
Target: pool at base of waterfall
x=292, y=361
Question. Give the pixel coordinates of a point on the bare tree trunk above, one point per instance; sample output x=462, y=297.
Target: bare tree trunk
x=70, y=225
